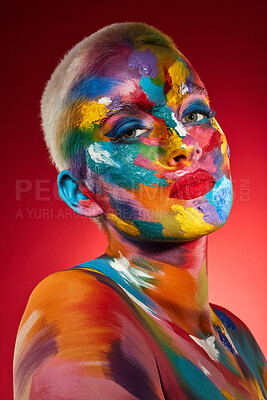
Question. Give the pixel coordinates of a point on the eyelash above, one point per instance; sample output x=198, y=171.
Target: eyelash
x=120, y=138
x=118, y=135
x=198, y=109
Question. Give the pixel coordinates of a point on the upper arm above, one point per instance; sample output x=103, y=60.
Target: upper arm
x=77, y=331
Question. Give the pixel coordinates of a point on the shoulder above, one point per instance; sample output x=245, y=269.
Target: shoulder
x=244, y=342
x=78, y=325
x=237, y=330
x=231, y=322
x=77, y=292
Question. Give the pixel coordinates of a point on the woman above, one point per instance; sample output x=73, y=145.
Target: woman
x=128, y=123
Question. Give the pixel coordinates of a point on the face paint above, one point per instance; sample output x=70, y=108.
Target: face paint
x=155, y=146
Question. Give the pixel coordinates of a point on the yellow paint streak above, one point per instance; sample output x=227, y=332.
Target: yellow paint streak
x=191, y=220
x=92, y=270
x=202, y=295
x=178, y=73
x=176, y=146
x=175, y=142
x=259, y=392
x=169, y=223
x=216, y=321
x=90, y=113
x=227, y=395
x=126, y=227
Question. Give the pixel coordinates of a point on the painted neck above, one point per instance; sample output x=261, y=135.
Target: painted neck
x=174, y=275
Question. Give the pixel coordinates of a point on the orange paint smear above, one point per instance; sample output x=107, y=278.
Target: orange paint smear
x=82, y=312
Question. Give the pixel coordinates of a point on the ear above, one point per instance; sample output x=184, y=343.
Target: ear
x=78, y=197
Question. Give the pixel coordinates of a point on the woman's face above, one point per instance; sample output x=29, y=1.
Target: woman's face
x=157, y=160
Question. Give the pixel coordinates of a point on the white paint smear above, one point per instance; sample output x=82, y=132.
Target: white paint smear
x=179, y=126
x=208, y=345
x=130, y=274
x=99, y=155
x=104, y=100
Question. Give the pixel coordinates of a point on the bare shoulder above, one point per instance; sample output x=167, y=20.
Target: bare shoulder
x=236, y=327
x=245, y=345
x=74, y=298
x=77, y=325
x=66, y=290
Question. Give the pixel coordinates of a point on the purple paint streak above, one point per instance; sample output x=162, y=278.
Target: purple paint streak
x=210, y=214
x=129, y=374
x=146, y=62
x=42, y=347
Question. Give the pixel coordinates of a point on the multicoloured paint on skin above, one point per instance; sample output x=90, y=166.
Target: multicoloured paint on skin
x=136, y=323
x=97, y=330
x=152, y=101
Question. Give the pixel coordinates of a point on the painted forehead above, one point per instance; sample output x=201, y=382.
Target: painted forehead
x=160, y=74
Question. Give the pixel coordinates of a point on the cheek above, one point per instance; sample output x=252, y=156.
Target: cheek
x=209, y=139
x=121, y=165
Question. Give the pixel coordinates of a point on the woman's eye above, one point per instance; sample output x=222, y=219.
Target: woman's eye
x=129, y=133
x=133, y=133
x=193, y=117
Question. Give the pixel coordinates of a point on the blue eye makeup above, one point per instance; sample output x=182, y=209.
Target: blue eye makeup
x=197, y=112
x=127, y=131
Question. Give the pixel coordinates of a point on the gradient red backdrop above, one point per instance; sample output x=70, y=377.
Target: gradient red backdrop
x=224, y=40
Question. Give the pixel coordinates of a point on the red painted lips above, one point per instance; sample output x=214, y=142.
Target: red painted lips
x=190, y=186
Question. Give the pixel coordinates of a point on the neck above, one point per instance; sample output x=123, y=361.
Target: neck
x=174, y=275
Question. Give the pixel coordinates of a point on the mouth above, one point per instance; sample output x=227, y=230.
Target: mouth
x=190, y=186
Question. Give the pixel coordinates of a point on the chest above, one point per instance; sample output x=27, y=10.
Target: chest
x=204, y=369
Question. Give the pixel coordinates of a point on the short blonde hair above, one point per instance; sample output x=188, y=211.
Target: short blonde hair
x=81, y=61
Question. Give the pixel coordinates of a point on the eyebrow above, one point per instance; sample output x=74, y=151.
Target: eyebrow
x=126, y=107
x=119, y=106
x=142, y=104
x=199, y=90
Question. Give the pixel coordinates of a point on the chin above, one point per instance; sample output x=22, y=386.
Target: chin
x=183, y=225
x=185, y=220
x=190, y=225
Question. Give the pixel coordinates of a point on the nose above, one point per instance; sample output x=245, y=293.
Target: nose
x=181, y=152
x=184, y=155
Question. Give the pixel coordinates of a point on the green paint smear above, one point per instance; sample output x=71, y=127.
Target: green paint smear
x=249, y=350
x=124, y=179
x=192, y=380
x=225, y=360
x=149, y=230
x=151, y=152
x=157, y=81
x=130, y=175
x=164, y=112
x=75, y=141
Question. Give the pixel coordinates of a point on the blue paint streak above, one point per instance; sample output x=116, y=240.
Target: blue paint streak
x=164, y=112
x=225, y=320
x=102, y=265
x=250, y=352
x=224, y=340
x=92, y=87
x=221, y=197
x=154, y=92
x=149, y=230
x=127, y=174
x=194, y=381
x=124, y=209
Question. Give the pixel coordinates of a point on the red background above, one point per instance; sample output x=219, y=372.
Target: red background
x=224, y=40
